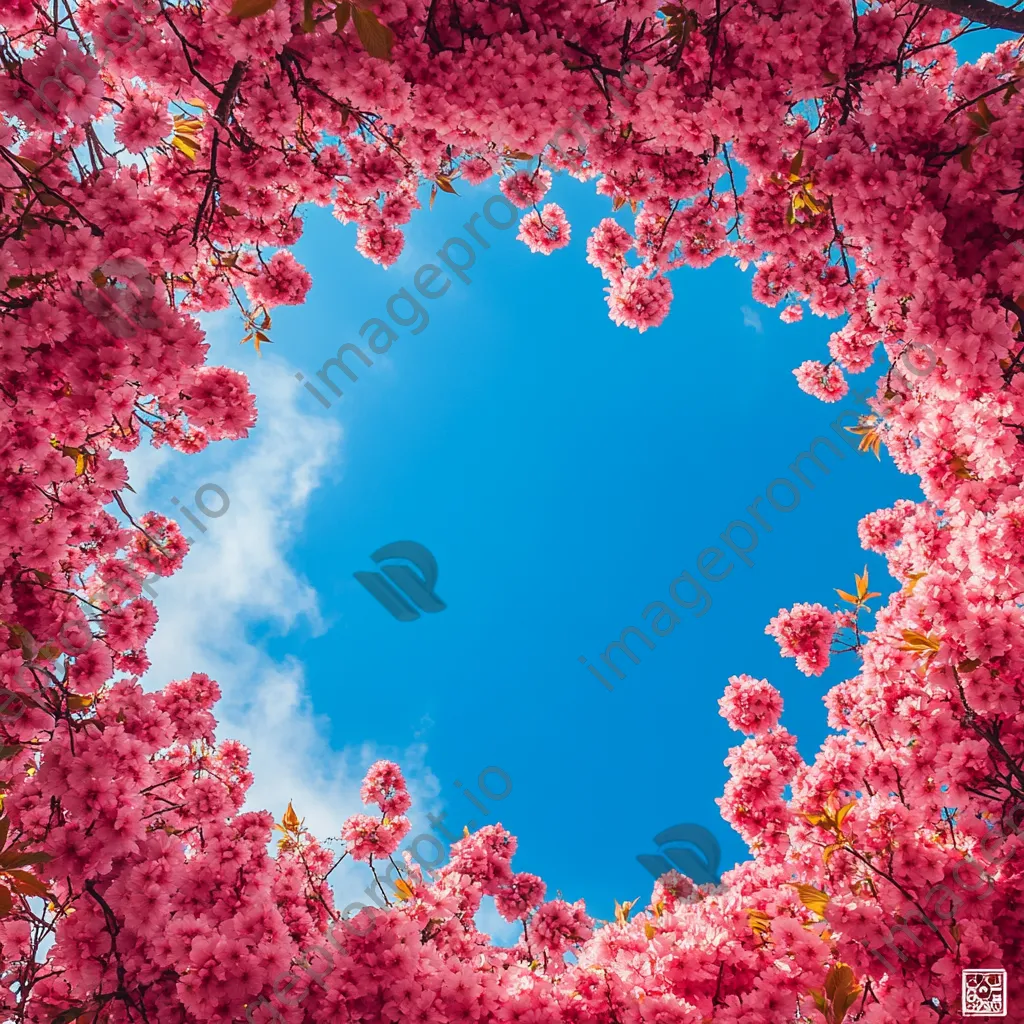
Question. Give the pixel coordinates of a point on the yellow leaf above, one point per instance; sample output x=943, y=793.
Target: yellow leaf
x=403, y=890
x=377, y=39
x=622, y=910
x=847, y=597
x=251, y=8
x=913, y=579
x=649, y=930
x=843, y=812
x=830, y=849
x=841, y=989
x=918, y=643
x=818, y=819
x=187, y=146
x=341, y=15
x=465, y=831
x=813, y=899
x=80, y=701
x=795, y=164
x=760, y=922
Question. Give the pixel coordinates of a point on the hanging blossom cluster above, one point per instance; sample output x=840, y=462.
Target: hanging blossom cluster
x=838, y=149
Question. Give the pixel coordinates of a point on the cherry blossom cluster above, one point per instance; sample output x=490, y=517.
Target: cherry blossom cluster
x=842, y=152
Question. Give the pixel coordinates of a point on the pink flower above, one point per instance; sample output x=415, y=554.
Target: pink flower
x=607, y=246
x=637, y=300
x=385, y=786
x=142, y=123
x=824, y=382
x=525, y=190
x=804, y=632
x=750, y=705
x=476, y=170
x=792, y=313
x=545, y=231
x=380, y=244
x=367, y=837
x=517, y=897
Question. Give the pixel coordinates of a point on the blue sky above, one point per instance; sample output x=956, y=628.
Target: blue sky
x=563, y=472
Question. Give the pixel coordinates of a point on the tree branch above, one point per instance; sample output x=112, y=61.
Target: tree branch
x=983, y=12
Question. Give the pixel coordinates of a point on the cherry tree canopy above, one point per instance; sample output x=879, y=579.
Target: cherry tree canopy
x=154, y=158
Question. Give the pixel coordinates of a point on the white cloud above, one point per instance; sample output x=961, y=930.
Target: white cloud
x=237, y=576
x=751, y=318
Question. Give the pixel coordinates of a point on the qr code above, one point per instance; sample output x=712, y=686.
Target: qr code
x=984, y=993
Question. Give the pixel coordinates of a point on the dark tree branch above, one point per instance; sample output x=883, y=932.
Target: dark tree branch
x=983, y=12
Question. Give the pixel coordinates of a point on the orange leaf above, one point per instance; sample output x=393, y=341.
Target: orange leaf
x=760, y=922
x=445, y=184
x=290, y=820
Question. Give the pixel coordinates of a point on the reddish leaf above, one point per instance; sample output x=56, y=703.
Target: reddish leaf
x=27, y=883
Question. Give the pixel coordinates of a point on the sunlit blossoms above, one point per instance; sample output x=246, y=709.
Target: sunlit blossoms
x=156, y=161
